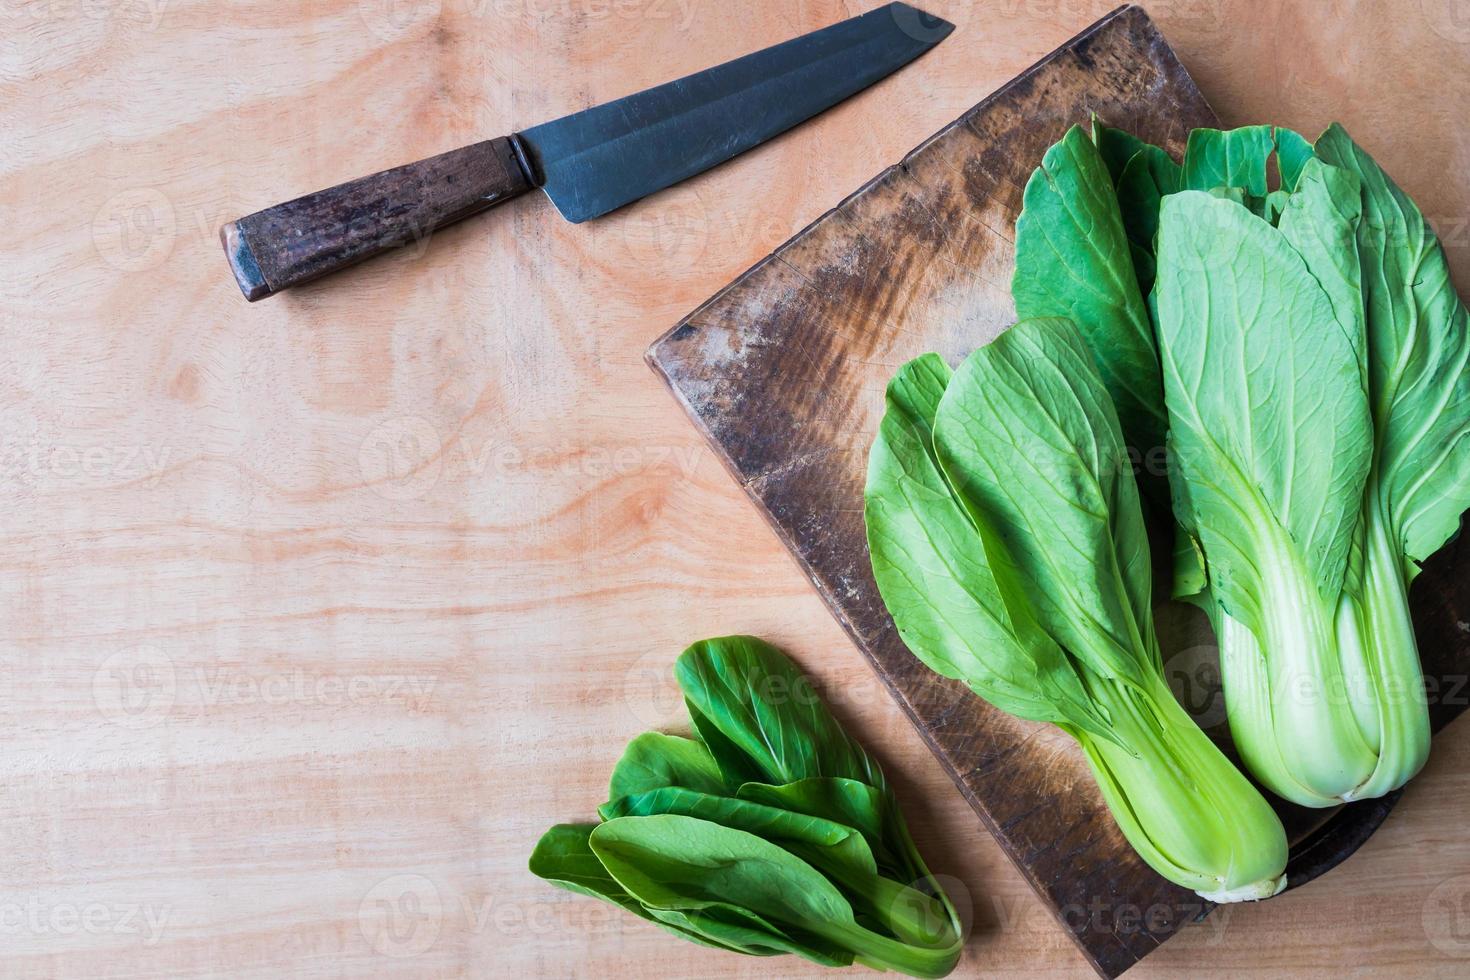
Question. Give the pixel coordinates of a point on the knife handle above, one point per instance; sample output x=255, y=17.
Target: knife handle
x=320, y=233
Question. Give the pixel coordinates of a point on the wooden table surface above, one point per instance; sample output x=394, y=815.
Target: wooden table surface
x=317, y=612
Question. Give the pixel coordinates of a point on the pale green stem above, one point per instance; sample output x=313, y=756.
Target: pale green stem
x=1182, y=805
x=1290, y=706
x=1381, y=661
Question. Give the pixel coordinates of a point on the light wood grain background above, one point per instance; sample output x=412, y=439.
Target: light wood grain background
x=317, y=612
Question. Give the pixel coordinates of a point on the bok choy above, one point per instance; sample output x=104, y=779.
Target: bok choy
x=1271, y=435
x=1310, y=368
x=1418, y=354
x=1008, y=543
x=1315, y=360
x=769, y=831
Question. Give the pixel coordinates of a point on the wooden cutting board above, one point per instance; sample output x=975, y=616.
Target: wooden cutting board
x=784, y=372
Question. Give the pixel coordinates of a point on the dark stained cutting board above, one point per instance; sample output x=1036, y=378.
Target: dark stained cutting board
x=784, y=372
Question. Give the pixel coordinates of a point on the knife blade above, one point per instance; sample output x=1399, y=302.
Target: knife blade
x=588, y=163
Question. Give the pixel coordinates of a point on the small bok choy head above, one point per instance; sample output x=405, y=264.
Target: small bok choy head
x=1310, y=366
x=1008, y=543
x=1315, y=363
x=1262, y=346
x=1418, y=351
x=770, y=831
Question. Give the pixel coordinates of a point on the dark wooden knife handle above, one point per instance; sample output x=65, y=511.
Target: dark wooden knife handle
x=311, y=236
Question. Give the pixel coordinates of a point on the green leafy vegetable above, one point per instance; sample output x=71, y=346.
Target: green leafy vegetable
x=1418, y=354
x=1313, y=357
x=564, y=856
x=1323, y=686
x=1271, y=434
x=947, y=598
x=1146, y=179
x=653, y=760
x=1116, y=147
x=1292, y=153
x=769, y=712
x=1085, y=251
x=855, y=804
x=1231, y=158
x=1008, y=543
x=685, y=864
x=770, y=832
x=1071, y=232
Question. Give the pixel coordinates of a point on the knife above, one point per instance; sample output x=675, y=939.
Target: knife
x=588, y=163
